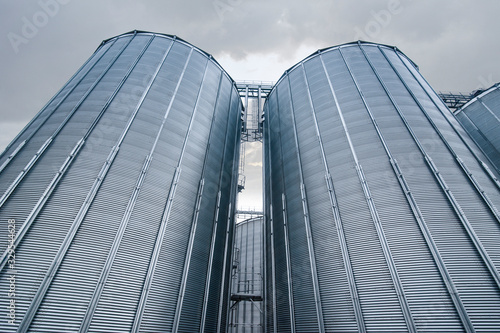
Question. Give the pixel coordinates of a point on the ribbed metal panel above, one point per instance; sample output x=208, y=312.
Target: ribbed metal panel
x=247, y=278
x=381, y=212
x=123, y=190
x=481, y=119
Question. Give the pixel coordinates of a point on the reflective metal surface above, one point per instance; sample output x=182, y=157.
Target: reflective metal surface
x=122, y=193
x=381, y=215
x=481, y=119
x=247, y=278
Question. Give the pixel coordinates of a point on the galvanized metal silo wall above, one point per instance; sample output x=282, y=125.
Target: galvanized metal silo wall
x=481, y=119
x=247, y=277
x=122, y=194
x=380, y=213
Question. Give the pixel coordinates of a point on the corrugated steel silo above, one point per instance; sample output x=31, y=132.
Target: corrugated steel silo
x=481, y=119
x=381, y=214
x=121, y=192
x=247, y=278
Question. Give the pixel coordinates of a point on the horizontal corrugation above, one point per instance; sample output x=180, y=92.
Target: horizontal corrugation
x=30, y=129
x=122, y=178
x=32, y=247
x=230, y=177
x=470, y=157
x=370, y=269
x=192, y=300
x=216, y=160
x=51, y=160
x=481, y=218
x=245, y=315
x=419, y=125
x=301, y=275
x=489, y=150
x=131, y=262
x=82, y=264
x=168, y=262
x=413, y=260
x=91, y=236
x=338, y=311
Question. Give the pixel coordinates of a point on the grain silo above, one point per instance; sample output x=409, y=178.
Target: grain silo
x=246, y=315
x=119, y=195
x=481, y=119
x=381, y=216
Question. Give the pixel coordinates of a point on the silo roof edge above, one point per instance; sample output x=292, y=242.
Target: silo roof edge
x=482, y=94
x=173, y=37
x=326, y=49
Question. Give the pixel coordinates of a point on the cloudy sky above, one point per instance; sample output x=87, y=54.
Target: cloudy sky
x=43, y=42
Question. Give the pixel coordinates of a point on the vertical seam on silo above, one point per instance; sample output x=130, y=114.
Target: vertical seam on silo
x=54, y=266
x=273, y=269
x=480, y=133
x=229, y=240
x=358, y=313
x=41, y=202
x=245, y=124
x=479, y=189
x=249, y=253
x=307, y=222
x=288, y=261
x=464, y=114
x=253, y=274
x=64, y=167
x=450, y=286
x=268, y=160
x=194, y=222
x=460, y=162
x=210, y=263
x=164, y=220
x=431, y=165
x=224, y=264
x=126, y=217
x=286, y=240
x=43, y=148
x=445, y=275
x=262, y=266
x=494, y=179
x=449, y=195
x=480, y=100
x=217, y=216
x=268, y=203
x=265, y=213
x=376, y=219
x=472, y=100
x=230, y=234
x=217, y=202
x=11, y=156
x=14, y=153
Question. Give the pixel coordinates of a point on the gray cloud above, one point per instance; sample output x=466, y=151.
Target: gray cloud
x=455, y=43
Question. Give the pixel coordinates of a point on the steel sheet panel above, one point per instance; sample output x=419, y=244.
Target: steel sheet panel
x=417, y=221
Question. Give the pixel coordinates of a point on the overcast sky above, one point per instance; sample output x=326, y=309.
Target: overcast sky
x=42, y=43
